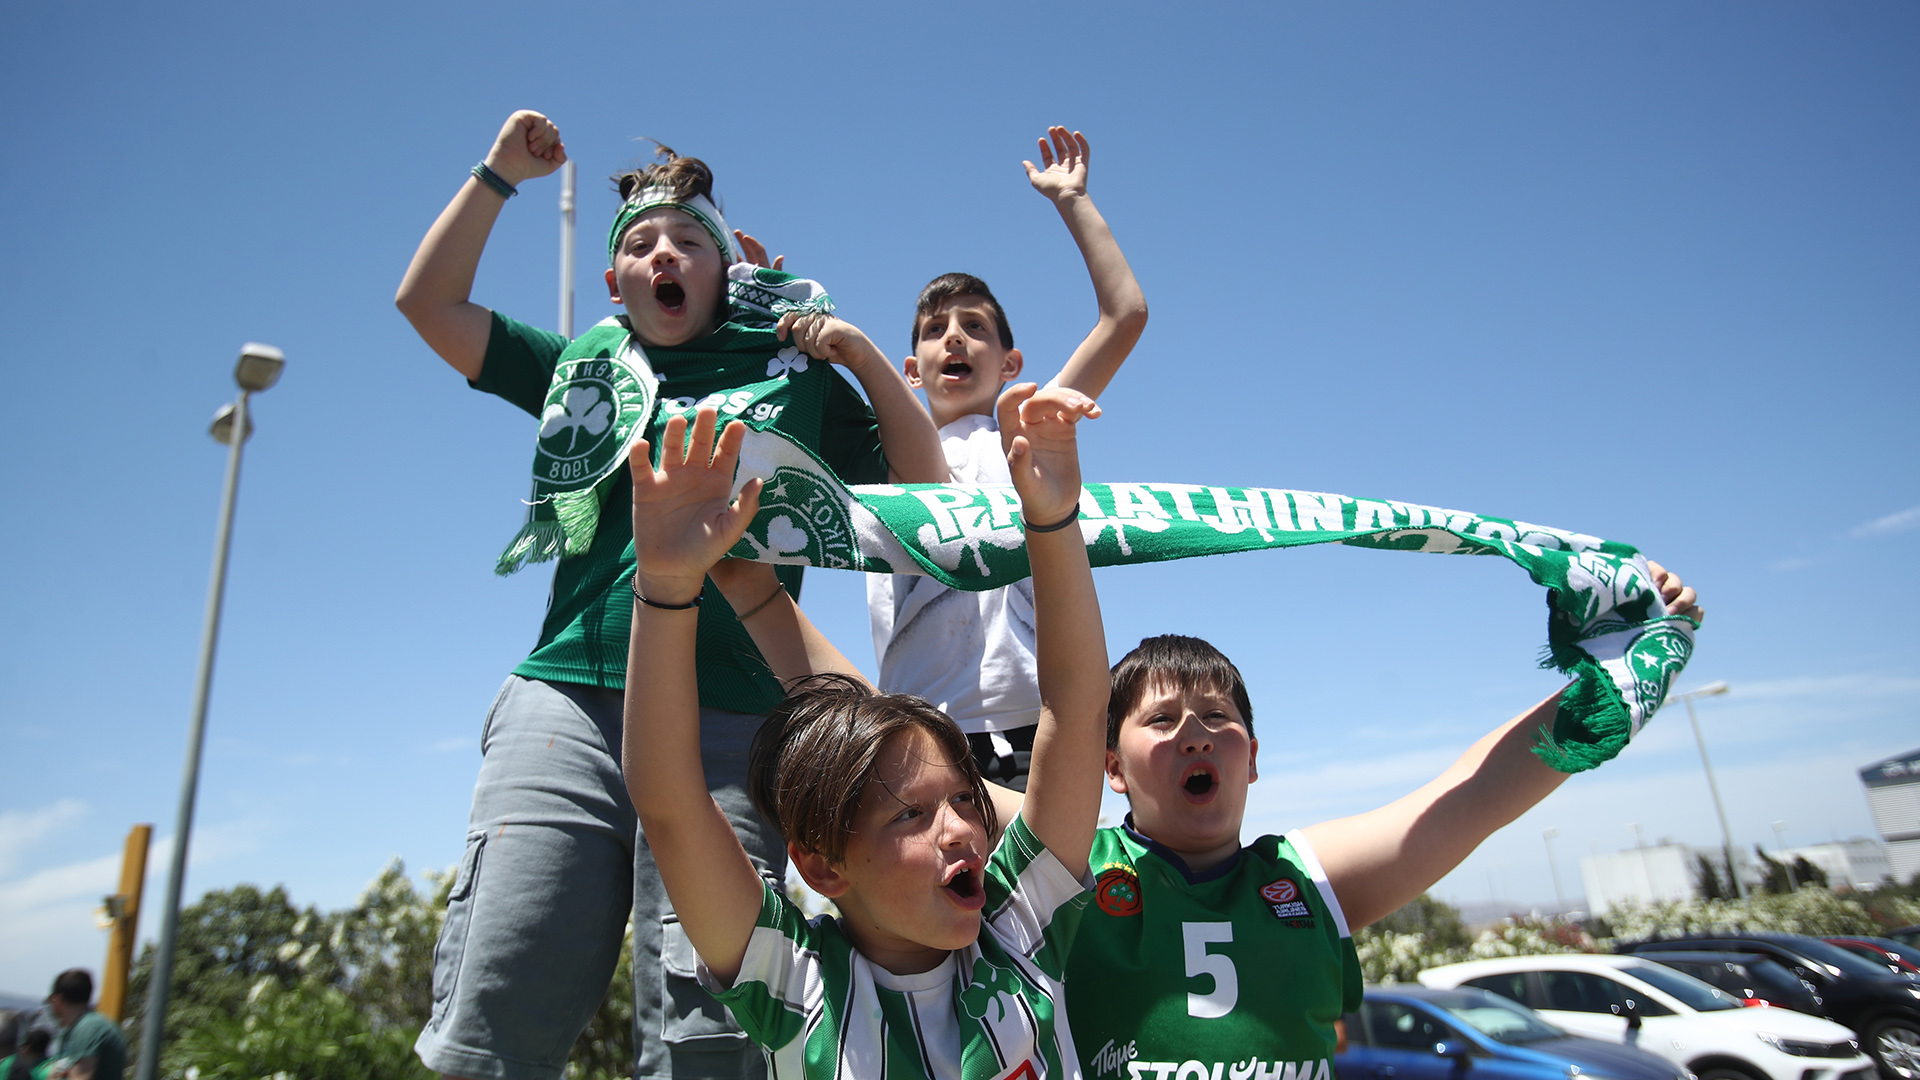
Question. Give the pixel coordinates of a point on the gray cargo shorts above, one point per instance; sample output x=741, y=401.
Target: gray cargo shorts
x=554, y=863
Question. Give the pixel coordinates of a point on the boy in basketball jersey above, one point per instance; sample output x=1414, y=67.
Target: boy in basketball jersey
x=1205, y=959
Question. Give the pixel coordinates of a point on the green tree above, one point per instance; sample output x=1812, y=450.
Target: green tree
x=1806, y=873
x=1712, y=885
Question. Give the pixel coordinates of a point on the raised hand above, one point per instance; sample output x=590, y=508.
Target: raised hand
x=684, y=518
x=755, y=252
x=1678, y=595
x=1063, y=171
x=834, y=340
x=527, y=147
x=1038, y=428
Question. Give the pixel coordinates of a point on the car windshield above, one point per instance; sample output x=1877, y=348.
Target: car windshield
x=1496, y=1017
x=1692, y=993
x=1839, y=960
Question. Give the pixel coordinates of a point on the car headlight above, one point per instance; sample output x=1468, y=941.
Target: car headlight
x=1845, y=1048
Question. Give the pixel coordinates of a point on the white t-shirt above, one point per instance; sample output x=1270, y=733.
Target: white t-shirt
x=969, y=653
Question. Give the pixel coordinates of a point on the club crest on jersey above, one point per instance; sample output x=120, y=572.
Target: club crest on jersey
x=1117, y=891
x=1283, y=899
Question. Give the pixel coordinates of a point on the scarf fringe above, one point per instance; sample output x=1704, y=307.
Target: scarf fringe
x=1591, y=726
x=537, y=541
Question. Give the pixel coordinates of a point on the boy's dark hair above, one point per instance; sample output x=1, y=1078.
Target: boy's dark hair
x=812, y=757
x=35, y=1042
x=948, y=286
x=74, y=986
x=684, y=176
x=1176, y=661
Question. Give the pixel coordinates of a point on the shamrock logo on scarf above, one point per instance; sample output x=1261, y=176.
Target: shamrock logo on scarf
x=581, y=407
x=789, y=359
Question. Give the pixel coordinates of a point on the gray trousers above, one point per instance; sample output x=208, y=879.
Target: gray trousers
x=554, y=864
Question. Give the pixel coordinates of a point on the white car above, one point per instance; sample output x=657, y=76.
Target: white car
x=1630, y=1000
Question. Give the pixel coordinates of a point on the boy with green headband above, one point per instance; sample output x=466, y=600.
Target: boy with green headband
x=554, y=862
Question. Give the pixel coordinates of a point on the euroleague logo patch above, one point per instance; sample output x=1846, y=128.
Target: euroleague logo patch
x=1283, y=898
x=1117, y=891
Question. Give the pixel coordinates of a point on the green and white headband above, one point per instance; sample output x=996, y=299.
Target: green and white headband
x=652, y=198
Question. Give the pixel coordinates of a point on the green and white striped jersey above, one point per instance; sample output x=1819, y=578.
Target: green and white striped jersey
x=1234, y=973
x=989, y=1012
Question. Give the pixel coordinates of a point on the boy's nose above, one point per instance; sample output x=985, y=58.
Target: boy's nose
x=1194, y=736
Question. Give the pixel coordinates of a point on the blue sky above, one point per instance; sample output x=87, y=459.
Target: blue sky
x=1642, y=271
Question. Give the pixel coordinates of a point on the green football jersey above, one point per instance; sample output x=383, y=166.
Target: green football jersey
x=1236, y=973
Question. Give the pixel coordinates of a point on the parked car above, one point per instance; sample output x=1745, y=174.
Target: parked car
x=1900, y=958
x=1751, y=977
x=1413, y=1033
x=1626, y=999
x=1882, y=1007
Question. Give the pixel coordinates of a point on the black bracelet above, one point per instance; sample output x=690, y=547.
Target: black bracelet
x=688, y=606
x=1056, y=526
x=495, y=181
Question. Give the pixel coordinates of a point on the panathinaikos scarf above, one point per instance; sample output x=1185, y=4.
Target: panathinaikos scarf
x=1606, y=627
x=602, y=396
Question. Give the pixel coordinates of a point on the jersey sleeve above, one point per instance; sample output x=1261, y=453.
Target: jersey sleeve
x=780, y=975
x=849, y=434
x=1351, y=981
x=519, y=363
x=1033, y=902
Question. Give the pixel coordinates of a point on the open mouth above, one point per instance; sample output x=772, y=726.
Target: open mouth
x=957, y=369
x=668, y=294
x=1201, y=782
x=966, y=887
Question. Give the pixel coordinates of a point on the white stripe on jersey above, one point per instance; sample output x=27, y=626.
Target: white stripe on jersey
x=1311, y=862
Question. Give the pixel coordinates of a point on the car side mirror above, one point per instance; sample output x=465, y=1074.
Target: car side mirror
x=1450, y=1048
x=1631, y=1010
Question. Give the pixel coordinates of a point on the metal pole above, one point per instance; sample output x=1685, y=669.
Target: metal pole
x=1726, y=834
x=566, y=250
x=1558, y=896
x=154, y=1020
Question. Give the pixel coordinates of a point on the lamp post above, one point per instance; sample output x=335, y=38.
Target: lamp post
x=259, y=368
x=1713, y=689
x=1559, y=897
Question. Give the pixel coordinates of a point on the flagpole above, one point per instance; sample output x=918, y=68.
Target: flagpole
x=566, y=249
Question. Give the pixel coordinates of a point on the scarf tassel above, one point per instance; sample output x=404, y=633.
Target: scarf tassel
x=537, y=541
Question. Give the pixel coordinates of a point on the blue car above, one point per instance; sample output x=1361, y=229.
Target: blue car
x=1413, y=1033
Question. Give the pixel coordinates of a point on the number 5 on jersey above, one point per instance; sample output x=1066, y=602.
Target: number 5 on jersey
x=1226, y=982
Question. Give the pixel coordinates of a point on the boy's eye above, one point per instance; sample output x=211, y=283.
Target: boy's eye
x=907, y=813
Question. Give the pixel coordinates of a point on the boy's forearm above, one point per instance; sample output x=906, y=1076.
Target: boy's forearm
x=434, y=294
x=788, y=641
x=1380, y=860
x=1069, y=750
x=1123, y=307
x=708, y=877
x=907, y=434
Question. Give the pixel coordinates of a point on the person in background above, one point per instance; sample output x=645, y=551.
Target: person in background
x=91, y=1046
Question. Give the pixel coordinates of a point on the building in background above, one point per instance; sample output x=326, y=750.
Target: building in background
x=1653, y=874
x=1893, y=797
x=1857, y=863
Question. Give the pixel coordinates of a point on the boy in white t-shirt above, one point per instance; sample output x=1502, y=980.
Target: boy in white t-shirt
x=971, y=653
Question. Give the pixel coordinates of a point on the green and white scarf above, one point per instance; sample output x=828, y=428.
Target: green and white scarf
x=602, y=396
x=1607, y=627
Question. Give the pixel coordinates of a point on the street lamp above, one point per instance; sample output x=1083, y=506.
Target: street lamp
x=1559, y=897
x=258, y=369
x=1713, y=689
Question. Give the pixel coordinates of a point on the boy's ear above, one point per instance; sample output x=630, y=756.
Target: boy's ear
x=613, y=287
x=910, y=367
x=1012, y=369
x=820, y=875
x=1253, y=759
x=1115, y=779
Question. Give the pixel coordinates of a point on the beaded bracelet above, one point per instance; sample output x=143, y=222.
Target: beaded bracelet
x=494, y=180
x=688, y=606
x=1056, y=526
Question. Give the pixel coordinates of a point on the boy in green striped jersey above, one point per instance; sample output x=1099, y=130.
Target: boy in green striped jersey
x=1207, y=959
x=947, y=959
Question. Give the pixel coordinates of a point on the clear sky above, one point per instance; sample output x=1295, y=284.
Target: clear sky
x=1645, y=271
